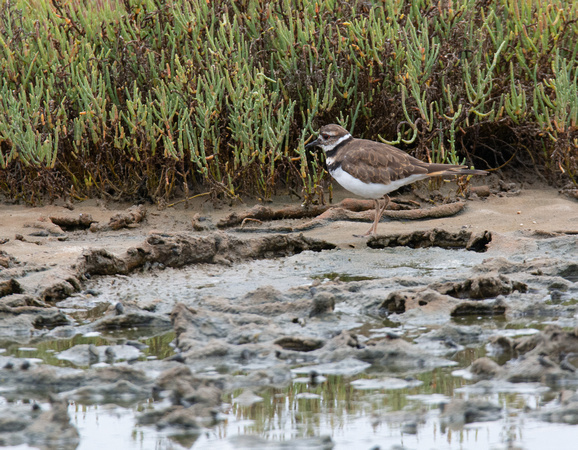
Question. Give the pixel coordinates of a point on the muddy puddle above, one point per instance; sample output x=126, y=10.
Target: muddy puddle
x=325, y=348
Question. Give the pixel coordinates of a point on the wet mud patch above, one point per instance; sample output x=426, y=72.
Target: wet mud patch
x=482, y=287
x=477, y=242
x=256, y=338
x=334, y=276
x=37, y=425
x=27, y=295
x=293, y=328
x=165, y=250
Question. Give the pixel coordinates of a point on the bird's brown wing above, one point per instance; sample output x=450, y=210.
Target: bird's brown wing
x=374, y=162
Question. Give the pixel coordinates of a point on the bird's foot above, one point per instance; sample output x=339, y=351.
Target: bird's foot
x=370, y=232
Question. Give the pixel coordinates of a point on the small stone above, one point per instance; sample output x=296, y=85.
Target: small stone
x=485, y=367
x=409, y=428
x=110, y=355
x=545, y=361
x=566, y=365
x=299, y=344
x=40, y=233
x=323, y=303
x=480, y=191
x=93, y=355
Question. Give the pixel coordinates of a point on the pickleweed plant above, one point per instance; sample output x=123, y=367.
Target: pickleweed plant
x=148, y=99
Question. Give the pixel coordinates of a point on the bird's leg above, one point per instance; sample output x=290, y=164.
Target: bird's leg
x=386, y=201
x=378, y=213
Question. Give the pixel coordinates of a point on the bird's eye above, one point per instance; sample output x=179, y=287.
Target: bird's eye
x=324, y=135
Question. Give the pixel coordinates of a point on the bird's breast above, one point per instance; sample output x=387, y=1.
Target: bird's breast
x=358, y=187
x=370, y=190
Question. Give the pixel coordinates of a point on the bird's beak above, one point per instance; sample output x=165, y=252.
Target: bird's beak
x=312, y=143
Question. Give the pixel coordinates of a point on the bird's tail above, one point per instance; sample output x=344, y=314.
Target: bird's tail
x=437, y=170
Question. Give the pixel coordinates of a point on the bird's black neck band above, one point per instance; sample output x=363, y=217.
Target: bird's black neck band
x=331, y=153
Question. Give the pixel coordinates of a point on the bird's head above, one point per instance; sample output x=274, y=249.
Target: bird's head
x=330, y=136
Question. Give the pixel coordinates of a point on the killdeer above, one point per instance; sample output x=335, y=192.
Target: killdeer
x=372, y=169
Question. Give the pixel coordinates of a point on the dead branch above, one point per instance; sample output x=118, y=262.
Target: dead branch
x=341, y=213
x=266, y=213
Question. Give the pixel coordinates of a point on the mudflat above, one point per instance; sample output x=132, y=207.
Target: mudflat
x=539, y=209
x=255, y=314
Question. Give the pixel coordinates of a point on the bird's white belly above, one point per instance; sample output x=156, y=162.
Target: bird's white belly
x=370, y=190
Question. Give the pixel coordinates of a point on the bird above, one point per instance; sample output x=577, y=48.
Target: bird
x=373, y=169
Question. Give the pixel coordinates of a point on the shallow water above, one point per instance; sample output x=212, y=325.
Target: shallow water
x=351, y=416
x=158, y=347
x=337, y=407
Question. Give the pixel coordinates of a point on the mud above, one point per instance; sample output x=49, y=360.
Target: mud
x=434, y=238
x=37, y=426
x=252, y=316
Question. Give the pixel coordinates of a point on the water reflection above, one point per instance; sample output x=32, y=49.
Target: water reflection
x=158, y=346
x=382, y=417
x=326, y=405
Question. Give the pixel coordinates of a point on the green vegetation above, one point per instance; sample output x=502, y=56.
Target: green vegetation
x=151, y=98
